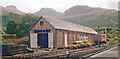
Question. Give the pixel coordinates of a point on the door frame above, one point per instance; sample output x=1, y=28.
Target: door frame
x=44, y=43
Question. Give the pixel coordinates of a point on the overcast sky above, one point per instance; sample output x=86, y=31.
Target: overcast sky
x=59, y=5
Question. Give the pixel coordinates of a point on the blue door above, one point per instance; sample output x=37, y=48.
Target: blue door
x=43, y=40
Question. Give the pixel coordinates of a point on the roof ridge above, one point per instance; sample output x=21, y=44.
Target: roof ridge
x=67, y=22
x=57, y=25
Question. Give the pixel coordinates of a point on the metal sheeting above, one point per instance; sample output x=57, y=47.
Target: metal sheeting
x=59, y=24
x=33, y=40
x=50, y=40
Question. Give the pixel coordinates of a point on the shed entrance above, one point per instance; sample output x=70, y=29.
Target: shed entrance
x=43, y=40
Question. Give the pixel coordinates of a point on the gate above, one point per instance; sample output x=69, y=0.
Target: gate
x=43, y=40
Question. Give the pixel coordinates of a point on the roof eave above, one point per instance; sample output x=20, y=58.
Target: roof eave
x=34, y=24
x=77, y=31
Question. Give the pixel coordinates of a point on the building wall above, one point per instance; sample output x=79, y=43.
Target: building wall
x=60, y=39
x=54, y=38
x=70, y=38
x=37, y=26
x=46, y=26
x=97, y=37
x=67, y=33
x=91, y=37
x=59, y=35
x=78, y=36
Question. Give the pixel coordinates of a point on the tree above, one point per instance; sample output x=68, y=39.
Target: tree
x=108, y=29
x=26, y=21
x=11, y=26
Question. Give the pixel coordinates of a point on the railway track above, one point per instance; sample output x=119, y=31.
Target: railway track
x=60, y=53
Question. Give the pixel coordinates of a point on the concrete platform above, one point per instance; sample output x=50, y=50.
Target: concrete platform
x=113, y=53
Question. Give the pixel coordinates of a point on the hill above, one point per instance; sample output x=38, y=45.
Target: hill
x=86, y=10
x=10, y=9
x=84, y=15
x=6, y=18
x=90, y=16
x=47, y=12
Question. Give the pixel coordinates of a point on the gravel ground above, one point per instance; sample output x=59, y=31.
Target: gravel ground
x=113, y=53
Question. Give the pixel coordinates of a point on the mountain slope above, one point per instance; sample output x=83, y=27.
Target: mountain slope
x=90, y=16
x=86, y=10
x=47, y=12
x=10, y=9
x=83, y=15
x=6, y=18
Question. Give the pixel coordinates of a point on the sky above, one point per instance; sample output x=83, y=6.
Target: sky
x=30, y=6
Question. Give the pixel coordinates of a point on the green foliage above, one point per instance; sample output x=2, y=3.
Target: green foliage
x=110, y=32
x=94, y=20
x=11, y=27
x=17, y=24
x=26, y=21
x=6, y=18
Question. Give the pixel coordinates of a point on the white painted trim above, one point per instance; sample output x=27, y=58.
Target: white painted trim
x=50, y=39
x=66, y=42
x=33, y=40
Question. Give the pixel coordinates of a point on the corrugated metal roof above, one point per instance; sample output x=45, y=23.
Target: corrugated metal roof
x=60, y=24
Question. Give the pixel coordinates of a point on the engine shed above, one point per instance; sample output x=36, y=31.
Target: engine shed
x=51, y=32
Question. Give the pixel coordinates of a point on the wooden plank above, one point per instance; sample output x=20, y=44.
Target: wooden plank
x=66, y=42
x=50, y=39
x=33, y=40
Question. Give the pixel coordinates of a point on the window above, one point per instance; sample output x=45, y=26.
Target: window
x=44, y=30
x=74, y=43
x=36, y=31
x=81, y=39
x=47, y=30
x=41, y=23
x=40, y=31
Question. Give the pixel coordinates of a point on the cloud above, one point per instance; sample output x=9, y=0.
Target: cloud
x=112, y=5
x=59, y=5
